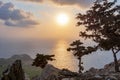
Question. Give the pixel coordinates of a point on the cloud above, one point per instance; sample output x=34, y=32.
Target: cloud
x=81, y=3
x=15, y=17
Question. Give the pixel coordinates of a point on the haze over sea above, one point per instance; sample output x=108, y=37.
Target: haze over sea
x=63, y=58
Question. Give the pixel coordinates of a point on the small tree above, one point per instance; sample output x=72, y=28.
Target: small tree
x=41, y=60
x=102, y=25
x=79, y=50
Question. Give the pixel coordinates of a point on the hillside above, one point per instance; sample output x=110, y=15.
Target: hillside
x=31, y=71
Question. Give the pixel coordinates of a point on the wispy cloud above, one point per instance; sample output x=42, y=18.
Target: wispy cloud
x=15, y=17
x=81, y=3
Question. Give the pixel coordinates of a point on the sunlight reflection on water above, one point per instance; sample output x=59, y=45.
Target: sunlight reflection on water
x=63, y=58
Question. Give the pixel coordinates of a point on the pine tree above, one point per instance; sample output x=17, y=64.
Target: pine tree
x=102, y=25
x=41, y=60
x=79, y=50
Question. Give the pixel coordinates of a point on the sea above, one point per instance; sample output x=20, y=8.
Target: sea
x=64, y=59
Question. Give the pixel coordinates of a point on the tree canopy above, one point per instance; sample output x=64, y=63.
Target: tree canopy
x=41, y=60
x=102, y=23
x=80, y=50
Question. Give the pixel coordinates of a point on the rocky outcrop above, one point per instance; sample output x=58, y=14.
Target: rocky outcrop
x=14, y=72
x=52, y=73
x=49, y=73
x=107, y=73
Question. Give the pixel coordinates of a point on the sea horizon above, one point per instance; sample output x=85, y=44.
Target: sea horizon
x=64, y=59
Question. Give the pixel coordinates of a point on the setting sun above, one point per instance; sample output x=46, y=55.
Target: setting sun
x=62, y=19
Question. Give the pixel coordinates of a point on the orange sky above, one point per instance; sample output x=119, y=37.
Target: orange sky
x=45, y=15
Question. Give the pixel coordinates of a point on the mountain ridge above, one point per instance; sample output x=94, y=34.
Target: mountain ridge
x=26, y=59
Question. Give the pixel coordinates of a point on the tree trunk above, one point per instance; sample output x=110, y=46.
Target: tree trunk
x=116, y=62
x=79, y=65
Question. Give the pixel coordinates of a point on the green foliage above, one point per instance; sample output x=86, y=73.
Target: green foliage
x=41, y=60
x=102, y=25
x=79, y=50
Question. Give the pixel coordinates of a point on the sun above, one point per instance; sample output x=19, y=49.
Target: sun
x=62, y=19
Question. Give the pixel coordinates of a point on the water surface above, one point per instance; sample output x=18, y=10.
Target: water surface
x=63, y=58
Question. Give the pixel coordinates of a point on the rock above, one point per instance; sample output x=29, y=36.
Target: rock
x=68, y=73
x=93, y=70
x=26, y=77
x=69, y=79
x=90, y=76
x=53, y=77
x=106, y=73
x=97, y=76
x=109, y=67
x=111, y=78
x=94, y=78
x=52, y=73
x=14, y=72
x=49, y=73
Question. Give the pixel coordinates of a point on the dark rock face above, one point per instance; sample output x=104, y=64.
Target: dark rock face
x=14, y=72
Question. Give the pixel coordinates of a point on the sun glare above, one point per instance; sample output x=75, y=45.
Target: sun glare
x=62, y=19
